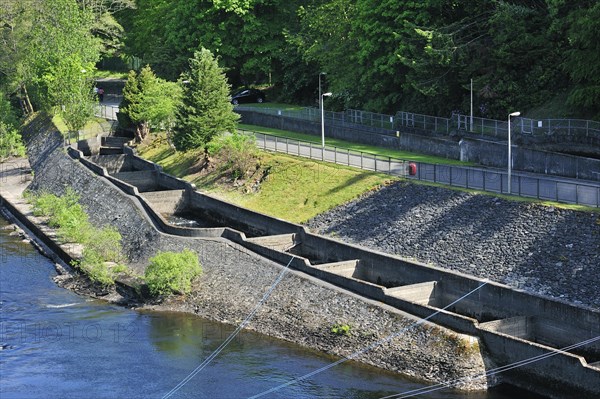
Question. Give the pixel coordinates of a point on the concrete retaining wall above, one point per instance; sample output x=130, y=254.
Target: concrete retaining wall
x=373, y=136
x=495, y=154
x=483, y=152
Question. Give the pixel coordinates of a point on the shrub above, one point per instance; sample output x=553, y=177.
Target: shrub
x=239, y=151
x=107, y=243
x=341, y=329
x=10, y=142
x=172, y=272
x=100, y=245
x=96, y=268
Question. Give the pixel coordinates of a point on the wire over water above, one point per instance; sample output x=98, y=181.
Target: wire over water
x=368, y=348
x=232, y=335
x=489, y=373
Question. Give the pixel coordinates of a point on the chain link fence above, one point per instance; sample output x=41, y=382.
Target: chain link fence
x=552, y=129
x=542, y=188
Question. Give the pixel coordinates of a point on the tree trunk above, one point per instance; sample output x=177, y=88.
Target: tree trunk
x=28, y=106
x=141, y=131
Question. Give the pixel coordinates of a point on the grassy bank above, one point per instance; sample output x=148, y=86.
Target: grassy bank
x=405, y=155
x=293, y=188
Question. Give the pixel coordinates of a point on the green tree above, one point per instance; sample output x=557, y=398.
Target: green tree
x=206, y=110
x=582, y=61
x=70, y=89
x=37, y=35
x=149, y=101
x=10, y=139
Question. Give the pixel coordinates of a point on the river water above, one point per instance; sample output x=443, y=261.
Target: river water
x=56, y=344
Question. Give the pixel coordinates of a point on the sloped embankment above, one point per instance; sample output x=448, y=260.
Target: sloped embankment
x=540, y=249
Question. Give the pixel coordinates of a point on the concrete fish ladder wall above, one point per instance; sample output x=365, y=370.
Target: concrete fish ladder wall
x=302, y=308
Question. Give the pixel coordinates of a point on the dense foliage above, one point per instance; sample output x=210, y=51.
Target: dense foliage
x=10, y=139
x=149, y=101
x=172, y=272
x=386, y=55
x=205, y=110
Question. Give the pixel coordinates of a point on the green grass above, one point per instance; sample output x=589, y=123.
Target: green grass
x=405, y=155
x=93, y=128
x=296, y=189
x=281, y=106
x=105, y=74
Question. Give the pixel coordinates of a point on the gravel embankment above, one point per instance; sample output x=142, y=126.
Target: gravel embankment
x=541, y=249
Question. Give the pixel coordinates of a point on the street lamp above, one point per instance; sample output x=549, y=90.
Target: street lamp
x=323, y=119
x=321, y=100
x=509, y=150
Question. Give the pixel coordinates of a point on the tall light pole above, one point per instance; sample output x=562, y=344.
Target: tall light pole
x=323, y=119
x=471, y=126
x=320, y=98
x=509, y=149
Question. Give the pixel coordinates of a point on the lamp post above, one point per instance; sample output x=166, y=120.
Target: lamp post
x=321, y=101
x=509, y=149
x=323, y=120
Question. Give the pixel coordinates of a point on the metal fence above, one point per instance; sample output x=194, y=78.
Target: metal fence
x=551, y=128
x=106, y=111
x=543, y=188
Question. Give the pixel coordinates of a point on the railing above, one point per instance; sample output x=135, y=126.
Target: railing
x=457, y=122
x=106, y=111
x=542, y=188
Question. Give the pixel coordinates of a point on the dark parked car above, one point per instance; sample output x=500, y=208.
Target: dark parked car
x=248, y=96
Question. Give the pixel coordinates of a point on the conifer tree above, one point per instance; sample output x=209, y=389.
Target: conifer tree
x=206, y=110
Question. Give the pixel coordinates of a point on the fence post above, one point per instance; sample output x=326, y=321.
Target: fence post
x=348, y=153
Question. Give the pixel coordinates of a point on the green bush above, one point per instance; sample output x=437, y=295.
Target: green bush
x=107, y=243
x=341, y=329
x=66, y=214
x=172, y=272
x=96, y=268
x=100, y=245
x=11, y=143
x=238, y=150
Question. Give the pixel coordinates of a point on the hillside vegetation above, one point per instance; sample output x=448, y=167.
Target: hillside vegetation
x=282, y=186
x=387, y=55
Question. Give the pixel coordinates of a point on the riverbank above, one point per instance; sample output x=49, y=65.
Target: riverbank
x=301, y=309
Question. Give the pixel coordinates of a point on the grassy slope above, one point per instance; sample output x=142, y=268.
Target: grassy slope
x=406, y=155
x=93, y=128
x=296, y=189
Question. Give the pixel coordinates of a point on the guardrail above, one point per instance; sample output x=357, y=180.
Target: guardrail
x=489, y=180
x=106, y=111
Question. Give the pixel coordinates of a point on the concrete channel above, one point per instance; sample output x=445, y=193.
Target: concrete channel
x=514, y=325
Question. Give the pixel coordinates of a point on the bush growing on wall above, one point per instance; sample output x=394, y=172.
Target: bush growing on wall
x=172, y=272
x=101, y=246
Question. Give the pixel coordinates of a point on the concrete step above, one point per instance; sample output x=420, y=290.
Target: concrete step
x=111, y=141
x=111, y=150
